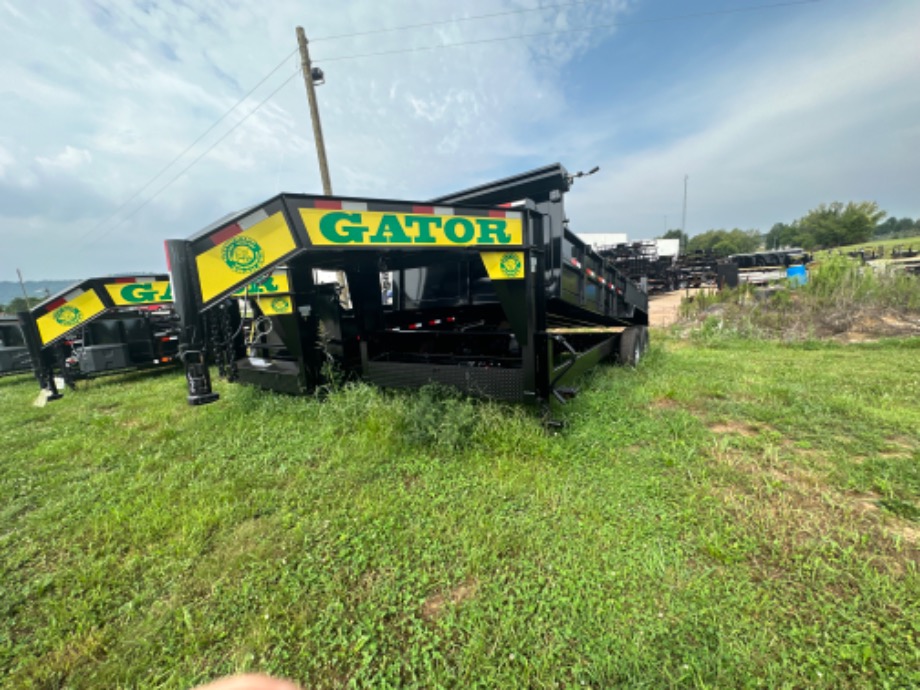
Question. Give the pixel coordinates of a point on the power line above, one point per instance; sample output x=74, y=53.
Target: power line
x=223, y=117
x=554, y=32
x=694, y=15
x=198, y=158
x=188, y=148
x=455, y=20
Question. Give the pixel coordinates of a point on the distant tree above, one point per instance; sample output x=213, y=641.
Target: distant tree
x=725, y=242
x=908, y=226
x=19, y=304
x=676, y=234
x=888, y=228
x=837, y=224
x=898, y=227
x=783, y=235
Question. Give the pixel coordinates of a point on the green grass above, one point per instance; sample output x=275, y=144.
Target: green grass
x=875, y=244
x=732, y=514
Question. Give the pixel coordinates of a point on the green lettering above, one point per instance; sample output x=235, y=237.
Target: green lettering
x=138, y=293
x=260, y=286
x=167, y=296
x=493, y=231
x=330, y=229
x=390, y=232
x=425, y=225
x=454, y=235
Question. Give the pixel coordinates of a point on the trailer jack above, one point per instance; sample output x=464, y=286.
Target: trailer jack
x=198, y=377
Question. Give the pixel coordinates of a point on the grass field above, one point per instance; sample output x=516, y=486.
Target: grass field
x=732, y=514
x=875, y=244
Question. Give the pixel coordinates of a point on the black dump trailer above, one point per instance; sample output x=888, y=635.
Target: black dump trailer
x=14, y=356
x=487, y=290
x=101, y=326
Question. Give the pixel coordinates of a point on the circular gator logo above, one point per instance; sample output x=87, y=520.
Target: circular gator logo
x=281, y=304
x=243, y=255
x=510, y=265
x=67, y=316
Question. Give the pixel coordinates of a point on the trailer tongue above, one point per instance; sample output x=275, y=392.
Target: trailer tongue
x=487, y=290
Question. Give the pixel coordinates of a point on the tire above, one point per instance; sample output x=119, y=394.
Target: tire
x=633, y=343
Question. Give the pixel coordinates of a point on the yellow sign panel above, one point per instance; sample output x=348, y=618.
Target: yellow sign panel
x=224, y=266
x=276, y=282
x=130, y=294
x=281, y=304
x=68, y=316
x=503, y=265
x=380, y=229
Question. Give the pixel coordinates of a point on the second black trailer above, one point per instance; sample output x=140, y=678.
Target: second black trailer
x=100, y=326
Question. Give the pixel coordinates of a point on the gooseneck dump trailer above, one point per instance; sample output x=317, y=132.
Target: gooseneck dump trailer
x=100, y=326
x=487, y=290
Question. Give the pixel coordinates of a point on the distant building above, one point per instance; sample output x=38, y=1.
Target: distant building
x=604, y=239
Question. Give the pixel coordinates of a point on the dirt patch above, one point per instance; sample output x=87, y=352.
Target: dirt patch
x=798, y=510
x=435, y=604
x=733, y=427
x=664, y=309
x=910, y=534
x=865, y=503
x=870, y=326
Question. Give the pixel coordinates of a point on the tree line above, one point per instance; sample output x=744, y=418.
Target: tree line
x=18, y=304
x=829, y=225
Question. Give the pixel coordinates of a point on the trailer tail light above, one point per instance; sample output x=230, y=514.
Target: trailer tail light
x=575, y=263
x=451, y=319
x=590, y=273
x=415, y=326
x=434, y=322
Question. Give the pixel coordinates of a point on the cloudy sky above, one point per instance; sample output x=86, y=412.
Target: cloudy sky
x=769, y=107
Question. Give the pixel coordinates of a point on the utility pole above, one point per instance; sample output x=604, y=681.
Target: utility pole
x=683, y=222
x=314, y=110
x=308, y=79
x=23, y=286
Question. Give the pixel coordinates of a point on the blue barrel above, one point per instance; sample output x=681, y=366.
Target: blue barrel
x=797, y=275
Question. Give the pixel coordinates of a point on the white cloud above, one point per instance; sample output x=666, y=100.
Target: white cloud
x=70, y=158
x=815, y=122
x=120, y=88
x=6, y=161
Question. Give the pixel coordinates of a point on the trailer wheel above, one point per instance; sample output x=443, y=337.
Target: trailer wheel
x=633, y=343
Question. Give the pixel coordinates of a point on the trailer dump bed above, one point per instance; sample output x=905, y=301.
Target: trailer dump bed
x=487, y=290
x=100, y=326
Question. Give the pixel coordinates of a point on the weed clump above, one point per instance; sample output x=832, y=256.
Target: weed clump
x=439, y=416
x=842, y=298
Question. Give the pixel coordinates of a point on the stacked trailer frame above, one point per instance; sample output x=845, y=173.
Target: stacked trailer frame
x=491, y=292
x=101, y=326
